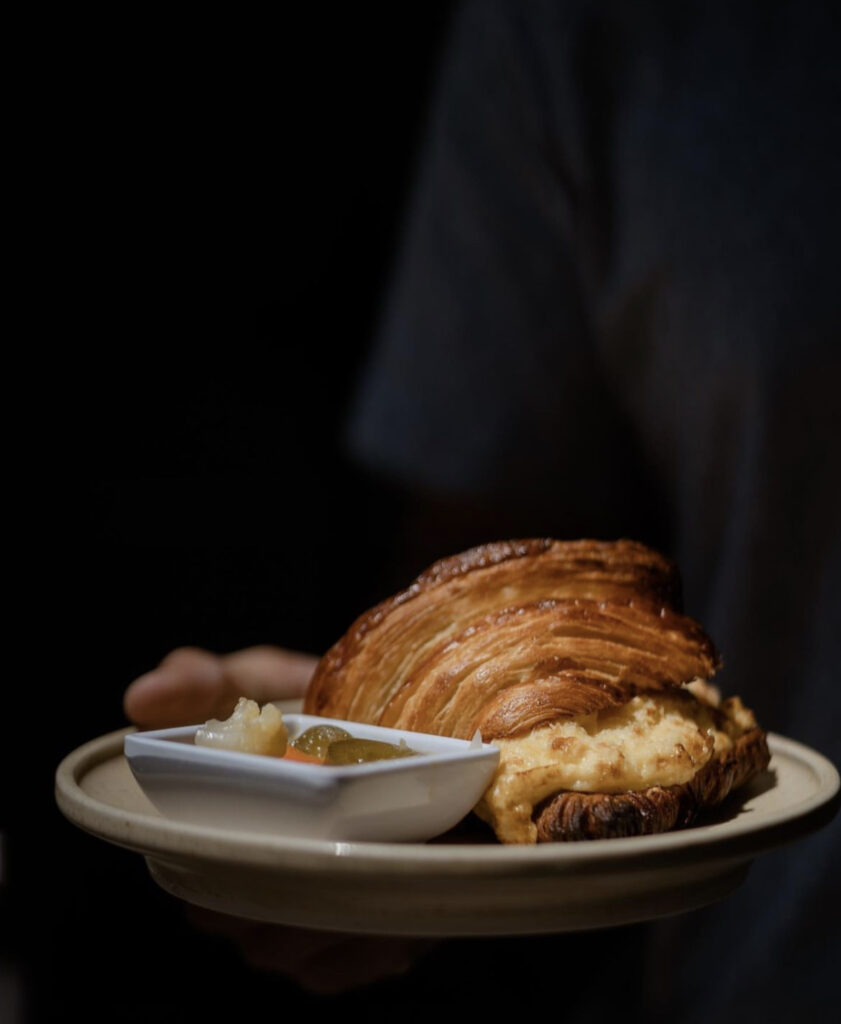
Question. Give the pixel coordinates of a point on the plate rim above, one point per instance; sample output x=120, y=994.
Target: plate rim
x=151, y=835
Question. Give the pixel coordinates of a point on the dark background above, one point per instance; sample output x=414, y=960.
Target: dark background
x=219, y=206
x=224, y=202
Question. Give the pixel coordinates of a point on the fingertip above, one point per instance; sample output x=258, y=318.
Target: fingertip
x=182, y=690
x=144, y=695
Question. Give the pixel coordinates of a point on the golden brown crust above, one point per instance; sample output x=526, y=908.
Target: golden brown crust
x=535, y=663
x=620, y=562
x=361, y=673
x=574, y=816
x=512, y=636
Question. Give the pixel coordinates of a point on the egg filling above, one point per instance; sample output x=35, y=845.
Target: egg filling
x=652, y=740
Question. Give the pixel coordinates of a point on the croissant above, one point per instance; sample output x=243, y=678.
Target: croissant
x=574, y=658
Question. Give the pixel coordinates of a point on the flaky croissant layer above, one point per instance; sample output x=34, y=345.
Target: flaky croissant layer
x=539, y=643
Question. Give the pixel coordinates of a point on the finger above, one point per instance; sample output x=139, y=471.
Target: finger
x=328, y=963
x=358, y=961
x=320, y=962
x=268, y=947
x=190, y=685
x=269, y=673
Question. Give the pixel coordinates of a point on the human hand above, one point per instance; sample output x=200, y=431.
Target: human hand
x=192, y=685
x=324, y=963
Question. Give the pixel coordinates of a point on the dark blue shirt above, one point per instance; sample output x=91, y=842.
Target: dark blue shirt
x=617, y=311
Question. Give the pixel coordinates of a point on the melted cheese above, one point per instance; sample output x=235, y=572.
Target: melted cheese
x=658, y=740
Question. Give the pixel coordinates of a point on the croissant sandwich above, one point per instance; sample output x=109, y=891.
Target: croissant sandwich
x=574, y=659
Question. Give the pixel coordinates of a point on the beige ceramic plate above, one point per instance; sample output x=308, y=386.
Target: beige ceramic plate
x=449, y=888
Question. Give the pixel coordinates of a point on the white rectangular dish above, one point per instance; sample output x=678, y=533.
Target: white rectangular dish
x=405, y=799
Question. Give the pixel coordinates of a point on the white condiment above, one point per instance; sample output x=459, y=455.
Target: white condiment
x=249, y=730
